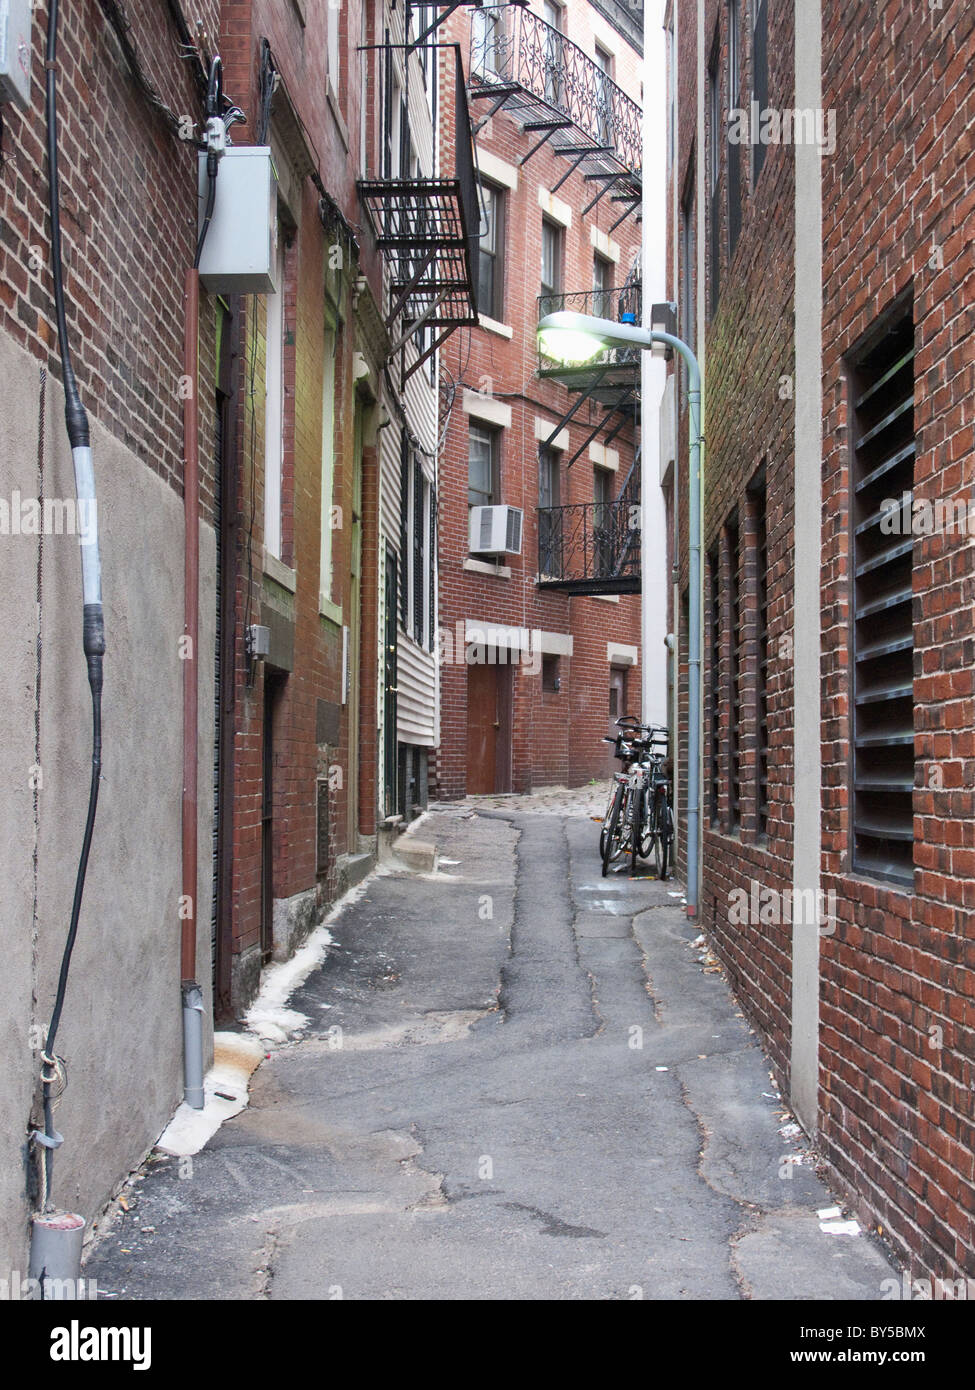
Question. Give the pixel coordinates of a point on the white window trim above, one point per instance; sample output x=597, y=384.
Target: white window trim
x=274, y=411
x=328, y=469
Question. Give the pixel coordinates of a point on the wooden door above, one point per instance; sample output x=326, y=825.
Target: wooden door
x=483, y=728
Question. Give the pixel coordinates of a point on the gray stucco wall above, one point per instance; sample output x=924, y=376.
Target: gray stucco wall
x=120, y=1031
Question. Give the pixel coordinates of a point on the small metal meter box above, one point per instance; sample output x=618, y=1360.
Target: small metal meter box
x=15, y=20
x=240, y=250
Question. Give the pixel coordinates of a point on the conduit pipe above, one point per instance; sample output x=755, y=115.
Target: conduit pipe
x=191, y=992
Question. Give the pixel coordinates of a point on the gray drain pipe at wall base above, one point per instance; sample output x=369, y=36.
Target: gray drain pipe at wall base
x=55, y=1253
x=694, y=639
x=193, y=1045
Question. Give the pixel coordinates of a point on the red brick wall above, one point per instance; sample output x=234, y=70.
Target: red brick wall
x=299, y=54
x=749, y=419
x=556, y=737
x=898, y=1001
x=128, y=223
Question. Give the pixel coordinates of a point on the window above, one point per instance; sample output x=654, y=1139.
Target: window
x=405, y=490
x=418, y=569
x=602, y=282
x=759, y=79
x=735, y=637
x=734, y=150
x=487, y=40
x=881, y=381
x=483, y=454
x=417, y=574
x=687, y=262
x=551, y=680
x=551, y=262
x=549, y=490
x=604, y=95
x=328, y=466
x=714, y=651
x=332, y=46
x=490, y=286
x=602, y=520
x=757, y=493
x=553, y=16
x=274, y=409
x=432, y=570
x=714, y=179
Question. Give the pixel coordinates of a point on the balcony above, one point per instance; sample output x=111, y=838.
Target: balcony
x=551, y=87
x=611, y=371
x=593, y=547
x=611, y=380
x=428, y=231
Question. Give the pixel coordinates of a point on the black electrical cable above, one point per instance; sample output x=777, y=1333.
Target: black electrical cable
x=214, y=102
x=76, y=422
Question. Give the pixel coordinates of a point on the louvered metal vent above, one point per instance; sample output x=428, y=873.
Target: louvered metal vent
x=882, y=381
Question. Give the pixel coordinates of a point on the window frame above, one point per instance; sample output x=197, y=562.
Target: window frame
x=493, y=435
x=493, y=256
x=553, y=234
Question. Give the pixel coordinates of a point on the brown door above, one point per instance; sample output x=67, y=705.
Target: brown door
x=483, y=727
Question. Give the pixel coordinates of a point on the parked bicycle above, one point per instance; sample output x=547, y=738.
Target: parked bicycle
x=639, y=820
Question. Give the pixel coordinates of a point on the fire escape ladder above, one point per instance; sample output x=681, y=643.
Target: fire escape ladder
x=545, y=82
x=428, y=232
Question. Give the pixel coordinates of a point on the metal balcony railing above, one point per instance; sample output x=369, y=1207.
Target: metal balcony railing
x=593, y=547
x=549, y=85
x=428, y=230
x=616, y=366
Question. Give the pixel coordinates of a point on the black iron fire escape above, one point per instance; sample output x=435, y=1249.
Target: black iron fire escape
x=545, y=82
x=427, y=228
x=594, y=547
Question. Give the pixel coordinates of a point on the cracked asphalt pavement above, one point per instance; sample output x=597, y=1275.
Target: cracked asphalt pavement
x=517, y=1082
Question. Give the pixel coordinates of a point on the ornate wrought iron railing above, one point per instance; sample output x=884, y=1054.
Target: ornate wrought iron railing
x=590, y=547
x=547, y=83
x=621, y=305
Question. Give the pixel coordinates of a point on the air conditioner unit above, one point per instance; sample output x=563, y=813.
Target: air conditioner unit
x=495, y=530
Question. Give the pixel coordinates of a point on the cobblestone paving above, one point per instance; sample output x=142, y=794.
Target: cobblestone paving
x=589, y=800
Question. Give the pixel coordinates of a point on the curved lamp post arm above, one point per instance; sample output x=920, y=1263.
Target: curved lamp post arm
x=605, y=334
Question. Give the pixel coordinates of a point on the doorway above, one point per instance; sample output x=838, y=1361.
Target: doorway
x=273, y=686
x=489, y=692
x=389, y=686
x=617, y=697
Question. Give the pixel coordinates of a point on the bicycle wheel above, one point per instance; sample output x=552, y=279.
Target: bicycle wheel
x=637, y=813
x=664, y=819
x=614, y=790
x=610, y=832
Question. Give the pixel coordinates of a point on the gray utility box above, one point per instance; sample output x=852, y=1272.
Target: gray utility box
x=240, y=250
x=15, y=19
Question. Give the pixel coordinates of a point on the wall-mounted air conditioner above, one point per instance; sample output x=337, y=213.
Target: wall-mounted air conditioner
x=495, y=531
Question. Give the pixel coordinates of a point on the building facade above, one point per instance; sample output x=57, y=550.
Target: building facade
x=539, y=614
x=129, y=229
x=819, y=181
x=312, y=386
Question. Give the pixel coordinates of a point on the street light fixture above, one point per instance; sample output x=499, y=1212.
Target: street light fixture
x=575, y=339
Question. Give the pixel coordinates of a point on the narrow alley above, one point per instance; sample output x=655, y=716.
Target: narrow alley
x=538, y=1092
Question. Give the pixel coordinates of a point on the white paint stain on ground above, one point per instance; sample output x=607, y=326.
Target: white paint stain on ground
x=225, y=1086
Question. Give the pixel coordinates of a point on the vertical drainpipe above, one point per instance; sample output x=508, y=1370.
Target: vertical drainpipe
x=191, y=993
x=695, y=653
x=807, y=614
